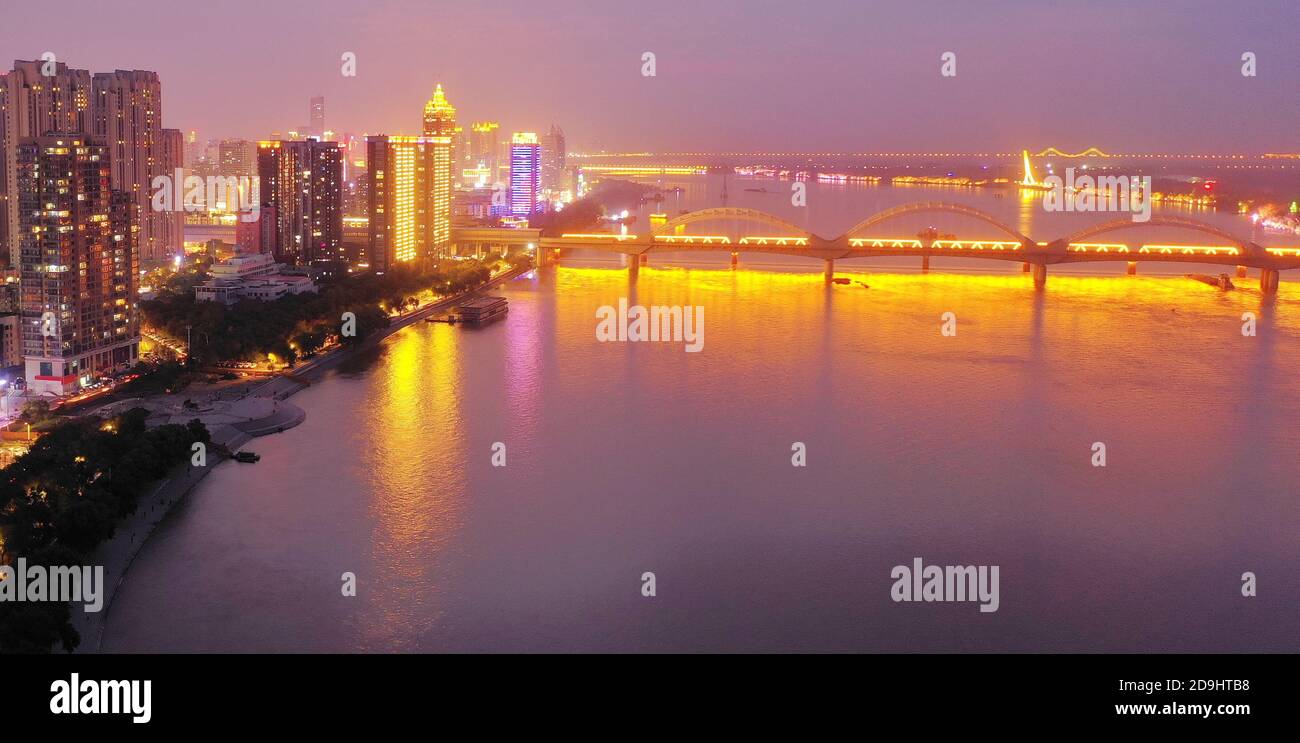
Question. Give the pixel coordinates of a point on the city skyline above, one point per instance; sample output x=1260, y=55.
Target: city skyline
x=1081, y=74
x=912, y=328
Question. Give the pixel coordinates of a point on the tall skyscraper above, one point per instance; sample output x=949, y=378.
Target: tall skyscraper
x=553, y=172
x=525, y=173
x=32, y=104
x=171, y=225
x=302, y=181
x=440, y=129
x=439, y=115
x=409, y=199
x=484, y=146
x=126, y=114
x=79, y=263
x=317, y=121
x=237, y=157
x=193, y=149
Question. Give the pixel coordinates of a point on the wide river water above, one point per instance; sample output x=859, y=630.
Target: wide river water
x=627, y=458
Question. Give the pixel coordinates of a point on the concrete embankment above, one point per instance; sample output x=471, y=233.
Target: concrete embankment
x=232, y=425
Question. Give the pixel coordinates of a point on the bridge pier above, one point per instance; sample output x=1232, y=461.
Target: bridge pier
x=1241, y=272
x=830, y=269
x=735, y=259
x=925, y=264
x=1132, y=268
x=633, y=266
x=1040, y=275
x=1268, y=279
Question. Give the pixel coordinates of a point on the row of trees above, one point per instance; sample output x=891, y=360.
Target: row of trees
x=67, y=495
x=610, y=195
x=298, y=325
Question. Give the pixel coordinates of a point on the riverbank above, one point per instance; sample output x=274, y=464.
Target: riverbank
x=259, y=411
x=117, y=554
x=314, y=369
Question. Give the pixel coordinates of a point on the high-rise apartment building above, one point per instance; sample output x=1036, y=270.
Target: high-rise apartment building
x=302, y=181
x=120, y=109
x=171, y=225
x=553, y=172
x=409, y=197
x=79, y=263
x=237, y=157
x=126, y=115
x=32, y=104
x=525, y=173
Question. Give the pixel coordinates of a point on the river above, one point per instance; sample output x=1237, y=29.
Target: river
x=627, y=458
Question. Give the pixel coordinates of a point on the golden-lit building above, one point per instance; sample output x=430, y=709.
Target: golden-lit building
x=484, y=146
x=409, y=199
x=441, y=131
x=439, y=115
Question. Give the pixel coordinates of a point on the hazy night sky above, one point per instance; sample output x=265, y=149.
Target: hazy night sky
x=807, y=75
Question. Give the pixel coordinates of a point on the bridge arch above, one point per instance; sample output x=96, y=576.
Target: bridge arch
x=935, y=207
x=1157, y=221
x=732, y=213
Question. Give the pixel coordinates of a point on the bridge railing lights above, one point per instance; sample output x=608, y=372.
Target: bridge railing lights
x=598, y=236
x=1097, y=248
x=1190, y=249
x=782, y=241
x=705, y=239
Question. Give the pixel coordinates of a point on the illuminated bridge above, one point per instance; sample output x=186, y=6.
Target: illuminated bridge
x=873, y=237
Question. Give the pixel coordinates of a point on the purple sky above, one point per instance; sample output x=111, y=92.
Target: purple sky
x=807, y=75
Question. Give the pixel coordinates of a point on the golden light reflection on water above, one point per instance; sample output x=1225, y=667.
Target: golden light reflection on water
x=633, y=456
x=412, y=437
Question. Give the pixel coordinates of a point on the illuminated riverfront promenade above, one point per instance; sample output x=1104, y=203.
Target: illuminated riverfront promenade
x=870, y=238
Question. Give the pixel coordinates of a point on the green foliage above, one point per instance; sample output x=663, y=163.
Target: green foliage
x=297, y=325
x=67, y=494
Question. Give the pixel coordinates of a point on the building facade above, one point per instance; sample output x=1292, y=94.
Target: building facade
x=32, y=104
x=553, y=171
x=409, y=199
x=126, y=115
x=237, y=157
x=302, y=182
x=525, y=173
x=79, y=264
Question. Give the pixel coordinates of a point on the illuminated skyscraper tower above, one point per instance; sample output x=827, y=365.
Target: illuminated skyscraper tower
x=553, y=160
x=122, y=110
x=439, y=115
x=302, y=182
x=440, y=131
x=404, y=212
x=79, y=263
x=525, y=173
x=483, y=149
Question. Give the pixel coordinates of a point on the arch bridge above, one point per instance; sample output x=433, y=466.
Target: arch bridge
x=873, y=237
